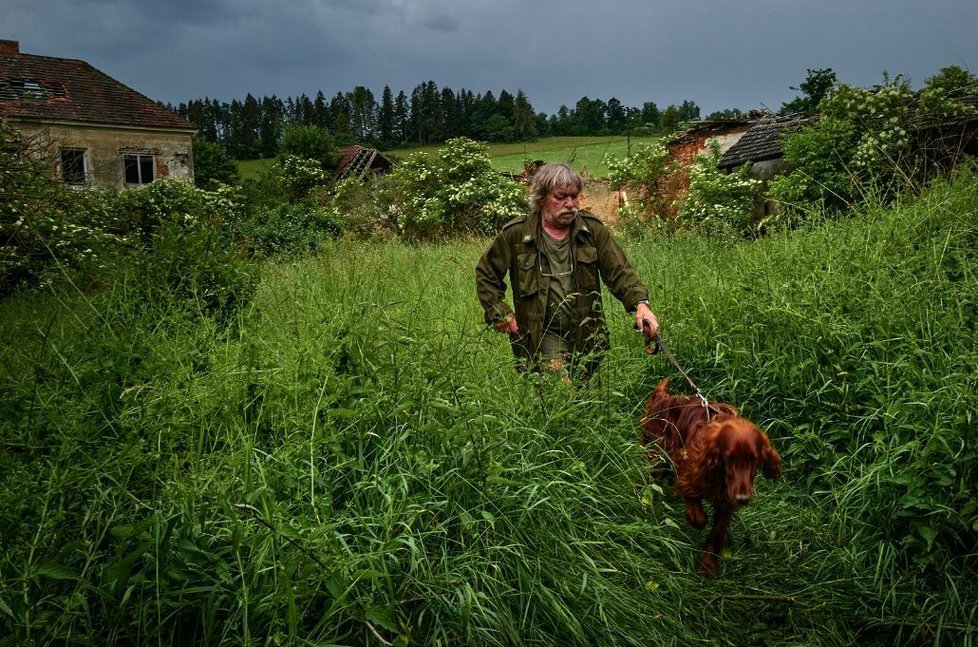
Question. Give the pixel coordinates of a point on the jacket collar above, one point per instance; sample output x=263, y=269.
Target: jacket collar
x=534, y=229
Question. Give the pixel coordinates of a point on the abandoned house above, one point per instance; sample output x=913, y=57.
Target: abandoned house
x=685, y=145
x=360, y=162
x=95, y=129
x=761, y=146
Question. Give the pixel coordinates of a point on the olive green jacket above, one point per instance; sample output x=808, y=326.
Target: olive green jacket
x=594, y=255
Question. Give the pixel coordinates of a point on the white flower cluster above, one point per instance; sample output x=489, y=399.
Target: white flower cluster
x=717, y=196
x=457, y=190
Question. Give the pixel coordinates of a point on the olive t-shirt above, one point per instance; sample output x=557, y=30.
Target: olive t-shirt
x=558, y=267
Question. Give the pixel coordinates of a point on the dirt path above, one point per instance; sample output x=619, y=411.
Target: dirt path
x=600, y=200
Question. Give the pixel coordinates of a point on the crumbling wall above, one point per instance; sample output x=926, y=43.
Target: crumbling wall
x=104, y=147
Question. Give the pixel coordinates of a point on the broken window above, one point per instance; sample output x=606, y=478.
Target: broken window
x=29, y=89
x=73, y=165
x=139, y=168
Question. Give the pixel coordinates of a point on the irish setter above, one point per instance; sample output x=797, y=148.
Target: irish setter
x=716, y=453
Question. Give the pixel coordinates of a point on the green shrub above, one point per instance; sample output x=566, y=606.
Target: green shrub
x=213, y=165
x=310, y=143
x=364, y=207
x=456, y=192
x=186, y=257
x=869, y=145
x=286, y=229
x=717, y=202
x=50, y=231
x=645, y=175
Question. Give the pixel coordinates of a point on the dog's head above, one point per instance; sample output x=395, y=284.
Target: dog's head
x=741, y=448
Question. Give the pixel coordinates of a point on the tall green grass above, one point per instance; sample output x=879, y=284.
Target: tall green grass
x=353, y=460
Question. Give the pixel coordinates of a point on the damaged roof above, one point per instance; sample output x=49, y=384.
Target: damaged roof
x=763, y=140
x=45, y=88
x=357, y=160
x=707, y=128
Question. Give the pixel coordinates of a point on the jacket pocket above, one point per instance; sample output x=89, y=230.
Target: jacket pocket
x=527, y=278
x=587, y=275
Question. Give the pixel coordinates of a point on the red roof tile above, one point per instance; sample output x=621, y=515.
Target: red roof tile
x=63, y=89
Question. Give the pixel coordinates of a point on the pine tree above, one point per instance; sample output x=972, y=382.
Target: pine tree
x=401, y=118
x=524, y=120
x=385, y=119
x=363, y=113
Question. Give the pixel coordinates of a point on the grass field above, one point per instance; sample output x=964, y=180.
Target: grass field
x=583, y=153
x=350, y=458
x=250, y=168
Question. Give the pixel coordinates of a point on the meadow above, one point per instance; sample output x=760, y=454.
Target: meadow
x=348, y=456
x=585, y=154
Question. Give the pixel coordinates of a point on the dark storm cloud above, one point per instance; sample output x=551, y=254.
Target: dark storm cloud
x=742, y=55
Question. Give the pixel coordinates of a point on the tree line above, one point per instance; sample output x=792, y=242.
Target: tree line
x=253, y=128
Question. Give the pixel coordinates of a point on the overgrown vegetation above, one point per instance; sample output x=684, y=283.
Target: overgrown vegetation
x=719, y=203
x=864, y=146
x=50, y=233
x=871, y=145
x=253, y=414
x=647, y=179
x=356, y=461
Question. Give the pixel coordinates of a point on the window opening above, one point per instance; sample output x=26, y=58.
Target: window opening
x=73, y=165
x=139, y=168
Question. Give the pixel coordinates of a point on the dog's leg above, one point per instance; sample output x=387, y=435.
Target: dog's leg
x=716, y=540
x=694, y=512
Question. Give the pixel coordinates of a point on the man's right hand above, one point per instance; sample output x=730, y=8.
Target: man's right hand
x=508, y=325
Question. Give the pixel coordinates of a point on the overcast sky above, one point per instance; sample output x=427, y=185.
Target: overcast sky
x=732, y=54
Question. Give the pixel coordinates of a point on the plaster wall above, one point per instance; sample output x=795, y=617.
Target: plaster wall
x=104, y=146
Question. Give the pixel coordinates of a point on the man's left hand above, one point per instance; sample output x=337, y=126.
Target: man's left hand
x=645, y=321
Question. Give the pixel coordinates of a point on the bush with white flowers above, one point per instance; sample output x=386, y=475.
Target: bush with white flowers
x=867, y=144
x=718, y=202
x=456, y=191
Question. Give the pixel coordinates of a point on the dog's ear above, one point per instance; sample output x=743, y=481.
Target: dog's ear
x=770, y=460
x=710, y=458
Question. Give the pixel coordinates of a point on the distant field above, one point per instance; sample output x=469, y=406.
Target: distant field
x=250, y=168
x=583, y=153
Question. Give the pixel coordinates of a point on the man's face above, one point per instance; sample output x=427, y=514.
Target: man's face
x=560, y=207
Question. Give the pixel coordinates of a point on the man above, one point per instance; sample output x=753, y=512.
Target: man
x=555, y=257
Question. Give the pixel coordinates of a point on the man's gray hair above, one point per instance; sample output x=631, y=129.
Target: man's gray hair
x=550, y=177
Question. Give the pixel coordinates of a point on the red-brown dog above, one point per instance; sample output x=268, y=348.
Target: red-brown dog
x=716, y=453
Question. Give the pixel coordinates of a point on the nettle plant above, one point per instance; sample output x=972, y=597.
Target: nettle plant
x=718, y=202
x=454, y=192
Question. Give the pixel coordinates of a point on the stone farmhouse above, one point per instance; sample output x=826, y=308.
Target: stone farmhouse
x=94, y=129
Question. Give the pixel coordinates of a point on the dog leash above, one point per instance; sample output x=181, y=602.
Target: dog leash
x=656, y=343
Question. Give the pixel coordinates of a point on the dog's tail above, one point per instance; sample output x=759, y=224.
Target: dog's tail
x=663, y=387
